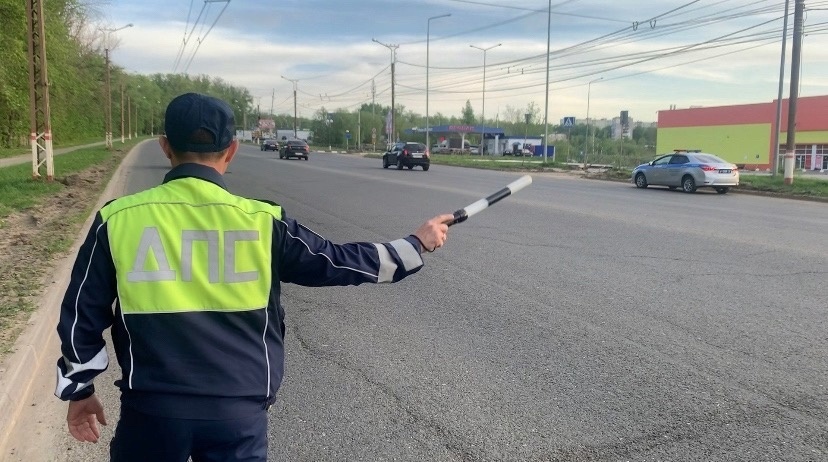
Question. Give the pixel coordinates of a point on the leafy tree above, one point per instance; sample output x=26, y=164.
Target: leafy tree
x=468, y=114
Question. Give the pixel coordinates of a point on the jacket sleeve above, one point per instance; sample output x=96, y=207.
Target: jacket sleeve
x=86, y=311
x=306, y=258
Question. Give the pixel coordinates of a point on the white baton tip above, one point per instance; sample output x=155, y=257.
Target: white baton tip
x=475, y=207
x=520, y=183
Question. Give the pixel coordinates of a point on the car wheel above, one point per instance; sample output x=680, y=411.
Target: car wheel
x=384, y=162
x=688, y=184
x=410, y=167
x=722, y=190
x=306, y=157
x=640, y=181
x=425, y=168
x=399, y=164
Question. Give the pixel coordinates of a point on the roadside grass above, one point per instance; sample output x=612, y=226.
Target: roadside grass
x=19, y=191
x=41, y=220
x=802, y=185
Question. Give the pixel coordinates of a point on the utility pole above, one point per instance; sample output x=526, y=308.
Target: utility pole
x=272, y=97
x=428, y=39
x=108, y=94
x=129, y=117
x=483, y=114
x=373, y=116
x=39, y=114
x=122, y=112
x=796, y=56
x=295, y=135
x=774, y=163
x=393, y=49
x=546, y=101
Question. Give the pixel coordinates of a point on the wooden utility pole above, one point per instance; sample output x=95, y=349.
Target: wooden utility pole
x=39, y=114
x=796, y=57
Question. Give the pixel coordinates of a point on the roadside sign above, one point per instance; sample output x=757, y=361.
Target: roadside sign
x=569, y=122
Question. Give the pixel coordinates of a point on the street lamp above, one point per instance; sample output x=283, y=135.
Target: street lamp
x=428, y=38
x=483, y=112
x=108, y=134
x=108, y=31
x=586, y=139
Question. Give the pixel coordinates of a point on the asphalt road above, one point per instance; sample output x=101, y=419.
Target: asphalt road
x=576, y=320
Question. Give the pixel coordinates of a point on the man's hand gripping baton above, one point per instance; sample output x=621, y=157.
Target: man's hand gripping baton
x=475, y=207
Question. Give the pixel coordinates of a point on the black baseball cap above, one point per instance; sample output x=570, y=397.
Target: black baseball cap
x=192, y=111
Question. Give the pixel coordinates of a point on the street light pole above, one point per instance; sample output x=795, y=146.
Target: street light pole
x=122, y=112
x=546, y=102
x=483, y=111
x=129, y=117
x=108, y=134
x=295, y=135
x=586, y=138
x=428, y=38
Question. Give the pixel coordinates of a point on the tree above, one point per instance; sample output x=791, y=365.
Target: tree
x=468, y=114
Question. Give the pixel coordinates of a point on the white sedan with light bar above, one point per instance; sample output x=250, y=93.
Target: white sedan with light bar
x=688, y=170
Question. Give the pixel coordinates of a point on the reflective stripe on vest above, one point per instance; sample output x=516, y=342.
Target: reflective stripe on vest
x=189, y=245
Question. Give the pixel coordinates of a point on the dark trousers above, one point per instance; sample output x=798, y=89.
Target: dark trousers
x=140, y=437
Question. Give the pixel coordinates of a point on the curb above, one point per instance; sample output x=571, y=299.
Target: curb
x=38, y=343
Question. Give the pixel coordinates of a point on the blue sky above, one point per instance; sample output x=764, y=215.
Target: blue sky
x=649, y=55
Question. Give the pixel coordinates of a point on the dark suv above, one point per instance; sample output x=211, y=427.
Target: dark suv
x=270, y=145
x=407, y=155
x=294, y=148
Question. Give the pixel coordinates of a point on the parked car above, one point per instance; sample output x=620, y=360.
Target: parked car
x=270, y=145
x=407, y=155
x=687, y=170
x=294, y=148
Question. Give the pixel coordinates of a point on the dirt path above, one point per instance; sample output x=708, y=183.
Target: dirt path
x=9, y=161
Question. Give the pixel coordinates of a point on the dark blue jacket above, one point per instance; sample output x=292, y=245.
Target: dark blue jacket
x=208, y=362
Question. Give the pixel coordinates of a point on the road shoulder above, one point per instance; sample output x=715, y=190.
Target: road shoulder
x=30, y=415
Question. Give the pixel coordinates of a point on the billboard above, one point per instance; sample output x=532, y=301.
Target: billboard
x=267, y=125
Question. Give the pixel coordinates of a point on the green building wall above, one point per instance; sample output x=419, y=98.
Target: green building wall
x=740, y=144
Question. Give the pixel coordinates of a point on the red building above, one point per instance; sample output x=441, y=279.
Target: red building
x=743, y=134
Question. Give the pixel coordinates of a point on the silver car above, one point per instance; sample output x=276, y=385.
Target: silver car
x=688, y=170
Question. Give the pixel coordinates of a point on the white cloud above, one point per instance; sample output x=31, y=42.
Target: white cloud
x=327, y=46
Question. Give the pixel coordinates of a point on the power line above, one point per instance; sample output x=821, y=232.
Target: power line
x=201, y=39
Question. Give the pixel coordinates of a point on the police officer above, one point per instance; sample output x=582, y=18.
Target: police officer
x=188, y=276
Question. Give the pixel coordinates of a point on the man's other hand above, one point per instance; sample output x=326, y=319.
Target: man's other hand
x=83, y=418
